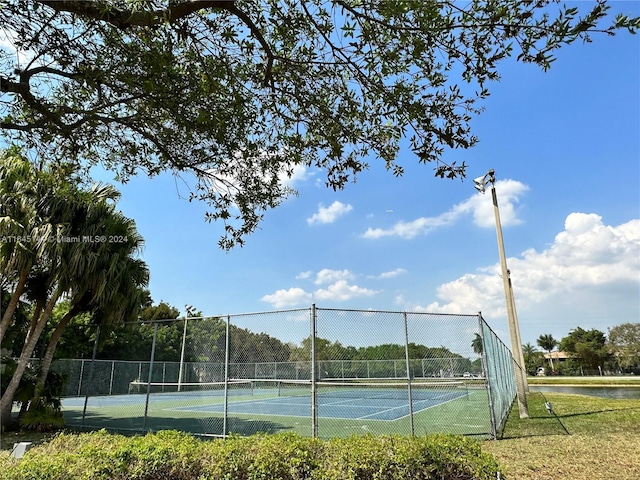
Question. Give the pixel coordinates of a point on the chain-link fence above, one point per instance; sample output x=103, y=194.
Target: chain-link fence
x=318, y=372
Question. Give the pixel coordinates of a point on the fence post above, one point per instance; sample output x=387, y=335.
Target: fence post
x=487, y=376
x=92, y=371
x=406, y=354
x=226, y=378
x=314, y=393
x=80, y=379
x=153, y=353
x=184, y=341
x=113, y=366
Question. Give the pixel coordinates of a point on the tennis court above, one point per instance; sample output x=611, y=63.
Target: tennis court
x=253, y=406
x=338, y=381
x=337, y=400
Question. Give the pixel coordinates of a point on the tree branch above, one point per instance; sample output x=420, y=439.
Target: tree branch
x=27, y=74
x=123, y=19
x=255, y=31
x=102, y=10
x=22, y=89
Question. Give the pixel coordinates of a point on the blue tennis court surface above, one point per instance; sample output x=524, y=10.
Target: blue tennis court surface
x=347, y=408
x=383, y=402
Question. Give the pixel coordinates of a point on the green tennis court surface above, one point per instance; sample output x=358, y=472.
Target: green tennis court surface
x=270, y=406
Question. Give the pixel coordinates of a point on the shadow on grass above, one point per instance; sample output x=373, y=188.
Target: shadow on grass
x=606, y=410
x=553, y=428
x=9, y=438
x=542, y=423
x=539, y=424
x=209, y=426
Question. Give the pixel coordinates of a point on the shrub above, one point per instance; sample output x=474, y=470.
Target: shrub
x=397, y=457
x=175, y=456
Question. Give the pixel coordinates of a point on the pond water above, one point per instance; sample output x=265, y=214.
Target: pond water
x=594, y=391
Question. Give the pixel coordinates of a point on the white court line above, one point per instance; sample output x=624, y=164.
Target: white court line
x=430, y=406
x=406, y=405
x=342, y=403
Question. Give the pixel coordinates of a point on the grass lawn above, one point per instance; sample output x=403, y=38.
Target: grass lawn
x=628, y=380
x=587, y=438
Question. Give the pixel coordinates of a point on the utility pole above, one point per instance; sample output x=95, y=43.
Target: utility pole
x=512, y=318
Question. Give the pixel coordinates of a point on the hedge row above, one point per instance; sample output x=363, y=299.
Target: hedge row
x=171, y=455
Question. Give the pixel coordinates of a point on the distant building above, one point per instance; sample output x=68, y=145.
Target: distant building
x=556, y=356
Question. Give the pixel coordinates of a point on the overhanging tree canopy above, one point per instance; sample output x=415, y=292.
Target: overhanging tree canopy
x=238, y=93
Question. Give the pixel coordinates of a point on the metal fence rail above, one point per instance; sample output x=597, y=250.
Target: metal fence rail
x=319, y=372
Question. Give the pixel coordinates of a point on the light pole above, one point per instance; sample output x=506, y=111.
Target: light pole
x=512, y=318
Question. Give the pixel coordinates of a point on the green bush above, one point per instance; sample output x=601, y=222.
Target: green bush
x=397, y=457
x=175, y=456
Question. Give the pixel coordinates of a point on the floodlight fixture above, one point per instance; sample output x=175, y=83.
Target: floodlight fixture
x=480, y=183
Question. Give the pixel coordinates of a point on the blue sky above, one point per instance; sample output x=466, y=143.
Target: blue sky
x=565, y=147
x=566, y=151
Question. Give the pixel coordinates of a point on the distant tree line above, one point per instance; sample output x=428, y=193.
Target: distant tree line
x=588, y=352
x=205, y=341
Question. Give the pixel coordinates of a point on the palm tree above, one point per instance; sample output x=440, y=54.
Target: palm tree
x=532, y=358
x=90, y=282
x=477, y=344
x=62, y=264
x=528, y=350
x=18, y=222
x=547, y=343
x=33, y=213
x=43, y=213
x=112, y=290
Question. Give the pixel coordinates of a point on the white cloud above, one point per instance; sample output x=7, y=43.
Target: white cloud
x=300, y=173
x=588, y=263
x=586, y=253
x=409, y=230
x=329, y=214
x=337, y=288
x=341, y=291
x=326, y=275
x=304, y=275
x=509, y=193
x=471, y=293
x=288, y=298
x=390, y=274
x=479, y=206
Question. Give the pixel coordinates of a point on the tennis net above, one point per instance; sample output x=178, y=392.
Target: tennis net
x=232, y=388
x=386, y=390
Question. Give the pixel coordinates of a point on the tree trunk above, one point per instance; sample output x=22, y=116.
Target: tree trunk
x=6, y=403
x=13, y=303
x=51, y=348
